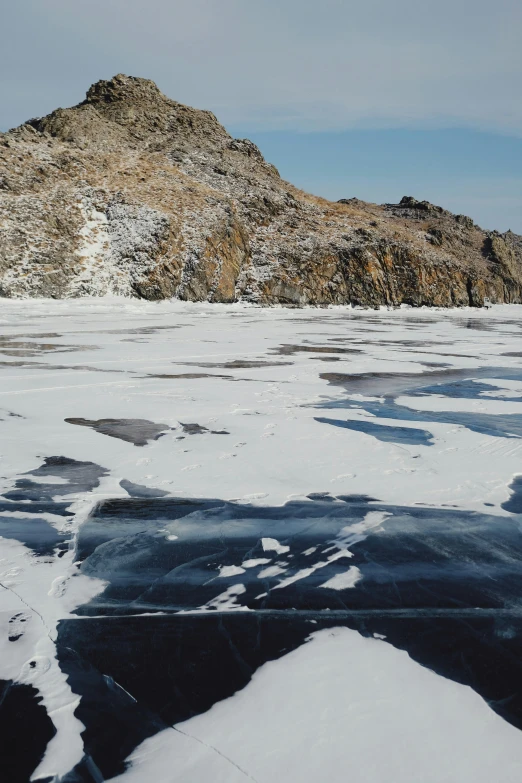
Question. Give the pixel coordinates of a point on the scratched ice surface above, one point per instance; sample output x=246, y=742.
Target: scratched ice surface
x=271, y=545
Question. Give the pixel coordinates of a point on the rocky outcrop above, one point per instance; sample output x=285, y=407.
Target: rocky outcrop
x=131, y=193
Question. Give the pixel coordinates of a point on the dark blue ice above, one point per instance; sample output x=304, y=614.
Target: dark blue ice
x=514, y=504
x=443, y=584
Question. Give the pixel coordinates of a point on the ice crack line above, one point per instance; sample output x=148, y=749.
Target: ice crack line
x=223, y=755
x=200, y=741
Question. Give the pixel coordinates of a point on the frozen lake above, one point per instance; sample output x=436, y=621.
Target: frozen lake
x=271, y=545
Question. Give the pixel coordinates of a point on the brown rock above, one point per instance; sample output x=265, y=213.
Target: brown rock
x=135, y=194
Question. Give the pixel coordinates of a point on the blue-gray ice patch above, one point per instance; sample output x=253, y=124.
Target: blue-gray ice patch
x=451, y=384
x=410, y=436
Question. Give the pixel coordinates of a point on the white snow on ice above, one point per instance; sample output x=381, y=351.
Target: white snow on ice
x=272, y=545
x=256, y=561
x=339, y=708
x=232, y=570
x=344, y=580
x=121, y=358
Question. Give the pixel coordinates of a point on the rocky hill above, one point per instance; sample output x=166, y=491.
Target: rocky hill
x=134, y=194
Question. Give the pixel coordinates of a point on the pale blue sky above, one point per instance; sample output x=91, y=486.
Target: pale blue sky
x=466, y=171
x=376, y=99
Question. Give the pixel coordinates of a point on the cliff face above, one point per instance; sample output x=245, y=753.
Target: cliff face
x=132, y=193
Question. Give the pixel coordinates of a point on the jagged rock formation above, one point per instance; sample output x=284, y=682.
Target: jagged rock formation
x=132, y=193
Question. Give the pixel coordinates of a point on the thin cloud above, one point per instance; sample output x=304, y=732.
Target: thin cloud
x=293, y=64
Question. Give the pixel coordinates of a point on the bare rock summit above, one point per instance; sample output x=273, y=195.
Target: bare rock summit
x=133, y=194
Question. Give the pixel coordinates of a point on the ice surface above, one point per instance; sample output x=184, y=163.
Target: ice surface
x=345, y=580
x=427, y=419
x=273, y=545
x=341, y=707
